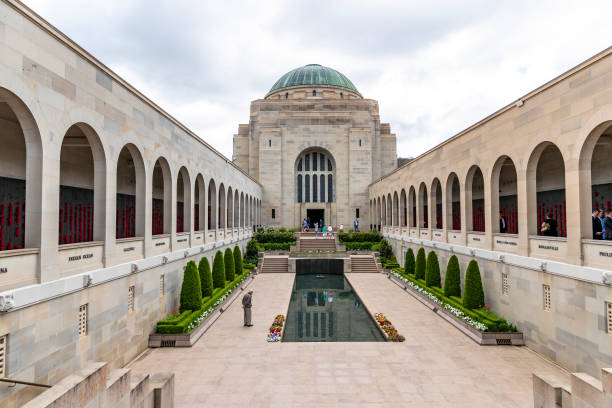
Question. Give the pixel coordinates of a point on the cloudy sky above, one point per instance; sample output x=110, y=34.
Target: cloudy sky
x=435, y=67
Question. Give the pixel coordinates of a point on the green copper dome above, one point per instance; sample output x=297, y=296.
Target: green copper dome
x=313, y=74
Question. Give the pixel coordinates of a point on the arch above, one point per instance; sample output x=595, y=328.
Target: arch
x=241, y=210
x=546, y=188
x=595, y=177
x=183, y=201
x=389, y=220
x=236, y=211
x=21, y=185
x=436, y=200
x=412, y=205
x=423, y=210
x=475, y=199
x=130, y=193
x=395, y=209
x=453, y=202
x=212, y=205
x=230, y=208
x=82, y=187
x=222, y=207
x=199, y=203
x=162, y=197
x=314, y=171
x=504, y=199
x=383, y=214
x=403, y=209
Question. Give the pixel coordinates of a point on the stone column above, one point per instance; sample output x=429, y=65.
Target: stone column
x=48, y=216
x=574, y=212
x=148, y=210
x=489, y=196
x=523, y=208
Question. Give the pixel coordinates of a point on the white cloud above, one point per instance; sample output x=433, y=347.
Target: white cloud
x=435, y=67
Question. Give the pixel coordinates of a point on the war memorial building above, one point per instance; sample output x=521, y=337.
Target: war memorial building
x=105, y=197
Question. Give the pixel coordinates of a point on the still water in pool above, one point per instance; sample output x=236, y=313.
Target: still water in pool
x=326, y=308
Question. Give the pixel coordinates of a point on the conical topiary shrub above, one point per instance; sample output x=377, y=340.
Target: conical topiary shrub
x=473, y=294
x=218, y=273
x=452, y=280
x=419, y=265
x=228, y=259
x=205, y=277
x=409, y=262
x=432, y=271
x=238, y=260
x=191, y=292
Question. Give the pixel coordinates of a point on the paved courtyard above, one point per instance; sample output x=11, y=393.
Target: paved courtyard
x=437, y=366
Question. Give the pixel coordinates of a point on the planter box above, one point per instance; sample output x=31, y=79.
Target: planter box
x=482, y=338
x=189, y=339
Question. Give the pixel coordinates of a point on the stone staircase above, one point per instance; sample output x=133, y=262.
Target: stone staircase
x=275, y=264
x=363, y=264
x=314, y=244
x=99, y=386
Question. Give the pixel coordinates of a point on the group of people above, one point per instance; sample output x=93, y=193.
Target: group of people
x=602, y=224
x=327, y=231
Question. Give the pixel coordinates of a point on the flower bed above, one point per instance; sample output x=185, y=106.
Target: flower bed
x=276, y=330
x=188, y=320
x=388, y=328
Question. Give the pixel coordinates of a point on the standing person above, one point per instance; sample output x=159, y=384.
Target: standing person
x=304, y=225
x=602, y=218
x=324, y=231
x=503, y=226
x=316, y=226
x=330, y=232
x=597, y=224
x=356, y=225
x=246, y=305
x=549, y=226
x=341, y=229
x=608, y=225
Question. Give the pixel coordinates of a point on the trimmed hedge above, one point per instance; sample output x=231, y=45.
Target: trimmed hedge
x=238, y=265
x=432, y=271
x=390, y=265
x=218, y=273
x=384, y=249
x=473, y=294
x=191, y=292
x=452, y=280
x=419, y=264
x=251, y=249
x=493, y=323
x=206, y=281
x=274, y=237
x=359, y=237
x=248, y=266
x=275, y=246
x=228, y=260
x=356, y=246
x=409, y=262
x=180, y=323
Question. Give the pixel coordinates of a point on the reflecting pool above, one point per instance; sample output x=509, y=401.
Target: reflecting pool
x=325, y=307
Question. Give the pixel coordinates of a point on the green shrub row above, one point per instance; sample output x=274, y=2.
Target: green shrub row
x=176, y=326
x=359, y=245
x=425, y=272
x=275, y=246
x=372, y=236
x=276, y=237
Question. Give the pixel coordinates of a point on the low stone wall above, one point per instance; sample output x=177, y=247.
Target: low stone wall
x=98, y=386
x=43, y=341
x=580, y=391
x=573, y=333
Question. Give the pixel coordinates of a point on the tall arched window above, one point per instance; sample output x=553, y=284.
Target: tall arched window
x=314, y=179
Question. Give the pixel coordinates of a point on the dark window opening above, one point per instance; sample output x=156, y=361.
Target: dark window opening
x=314, y=92
x=329, y=166
x=356, y=212
x=307, y=188
x=299, y=188
x=314, y=161
x=300, y=165
x=341, y=95
x=269, y=142
x=314, y=188
x=307, y=162
x=359, y=142
x=273, y=213
x=322, y=188
x=286, y=95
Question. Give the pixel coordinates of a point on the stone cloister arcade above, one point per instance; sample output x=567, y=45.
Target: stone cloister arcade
x=461, y=202
x=77, y=201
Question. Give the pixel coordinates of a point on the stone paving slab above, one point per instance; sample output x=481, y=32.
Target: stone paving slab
x=437, y=366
